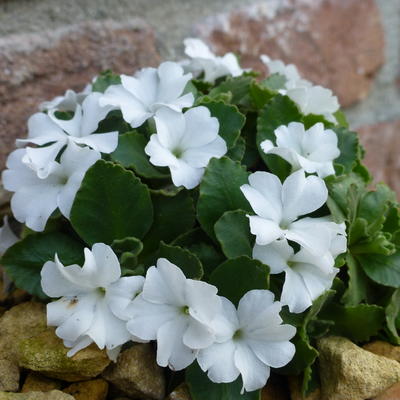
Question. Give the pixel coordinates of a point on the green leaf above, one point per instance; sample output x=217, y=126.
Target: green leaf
x=375, y=204
x=236, y=153
x=199, y=243
x=188, y=262
x=358, y=323
x=113, y=122
x=260, y=95
x=24, y=260
x=350, y=150
x=235, y=277
x=128, y=244
x=238, y=86
x=274, y=82
x=382, y=269
x=233, y=234
x=280, y=111
x=173, y=216
x=231, y=121
x=104, y=80
x=357, y=287
x=341, y=119
x=220, y=192
x=111, y=204
x=130, y=153
x=201, y=388
x=392, y=312
x=310, y=120
x=304, y=357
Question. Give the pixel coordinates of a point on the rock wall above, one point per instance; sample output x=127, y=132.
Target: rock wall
x=351, y=46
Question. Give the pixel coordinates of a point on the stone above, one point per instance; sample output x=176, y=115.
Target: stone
x=180, y=393
x=35, y=67
x=52, y=395
x=96, y=389
x=9, y=376
x=381, y=142
x=385, y=349
x=349, y=372
x=335, y=43
x=275, y=389
x=393, y=393
x=295, y=390
x=46, y=353
x=20, y=322
x=136, y=373
x=35, y=382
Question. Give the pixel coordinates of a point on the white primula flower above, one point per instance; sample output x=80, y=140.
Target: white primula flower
x=140, y=96
x=248, y=341
x=46, y=129
x=306, y=276
x=36, y=198
x=93, y=300
x=312, y=150
x=203, y=60
x=311, y=99
x=185, y=143
x=7, y=236
x=68, y=102
x=279, y=208
x=175, y=311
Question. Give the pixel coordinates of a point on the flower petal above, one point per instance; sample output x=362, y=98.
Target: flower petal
x=276, y=255
x=274, y=354
x=171, y=350
x=295, y=293
x=103, y=142
x=311, y=234
x=200, y=127
x=199, y=157
x=172, y=81
x=143, y=86
x=133, y=111
x=56, y=284
x=184, y=175
x=266, y=231
x=254, y=373
x=218, y=360
x=165, y=284
x=93, y=113
x=170, y=128
x=81, y=319
x=301, y=195
x=264, y=195
x=146, y=318
x=121, y=293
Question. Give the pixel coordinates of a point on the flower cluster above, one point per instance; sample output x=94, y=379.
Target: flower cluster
x=185, y=316
x=205, y=193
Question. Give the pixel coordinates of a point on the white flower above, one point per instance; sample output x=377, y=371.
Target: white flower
x=249, y=341
x=279, y=208
x=68, y=102
x=306, y=276
x=176, y=312
x=289, y=71
x=140, y=96
x=312, y=150
x=311, y=99
x=44, y=129
x=185, y=143
x=36, y=198
x=93, y=300
x=7, y=236
x=203, y=60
